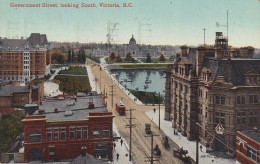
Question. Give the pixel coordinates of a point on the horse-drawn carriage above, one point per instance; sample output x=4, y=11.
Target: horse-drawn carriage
x=148, y=128
x=165, y=142
x=181, y=154
x=157, y=151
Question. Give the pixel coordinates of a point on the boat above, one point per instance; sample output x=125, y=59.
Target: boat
x=147, y=81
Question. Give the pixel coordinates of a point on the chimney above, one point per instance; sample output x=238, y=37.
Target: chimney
x=184, y=51
x=200, y=54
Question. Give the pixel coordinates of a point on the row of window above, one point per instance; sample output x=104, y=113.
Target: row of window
x=252, y=153
x=54, y=134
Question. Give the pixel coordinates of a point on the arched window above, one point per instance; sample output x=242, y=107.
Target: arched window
x=105, y=132
x=35, y=136
x=96, y=132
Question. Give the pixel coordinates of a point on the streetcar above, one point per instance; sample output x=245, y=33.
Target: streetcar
x=120, y=107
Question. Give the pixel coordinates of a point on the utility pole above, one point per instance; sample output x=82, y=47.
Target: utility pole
x=159, y=112
x=197, y=144
x=130, y=125
x=151, y=159
x=112, y=86
x=204, y=36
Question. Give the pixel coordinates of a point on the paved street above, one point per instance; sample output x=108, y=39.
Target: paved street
x=141, y=145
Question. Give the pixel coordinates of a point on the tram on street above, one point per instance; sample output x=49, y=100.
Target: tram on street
x=120, y=107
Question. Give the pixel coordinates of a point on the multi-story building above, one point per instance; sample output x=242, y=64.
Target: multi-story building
x=213, y=86
x=248, y=146
x=66, y=127
x=18, y=96
x=24, y=59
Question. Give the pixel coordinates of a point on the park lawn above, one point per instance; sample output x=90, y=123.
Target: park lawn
x=58, y=66
x=11, y=126
x=75, y=70
x=147, y=97
x=72, y=84
x=142, y=65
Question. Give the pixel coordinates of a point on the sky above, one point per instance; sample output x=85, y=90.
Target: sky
x=167, y=22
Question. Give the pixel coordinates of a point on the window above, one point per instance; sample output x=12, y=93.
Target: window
x=72, y=133
x=252, y=153
x=241, y=100
x=253, y=117
x=79, y=133
x=241, y=117
x=35, y=136
x=49, y=134
x=105, y=132
x=206, y=93
x=220, y=118
x=217, y=99
x=22, y=97
x=222, y=100
x=253, y=99
x=56, y=134
x=63, y=133
x=95, y=132
x=85, y=132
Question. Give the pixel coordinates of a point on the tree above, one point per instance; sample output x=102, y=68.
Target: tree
x=72, y=57
x=82, y=55
x=148, y=59
x=69, y=56
x=162, y=58
x=129, y=57
x=172, y=57
x=57, y=57
x=118, y=59
x=112, y=56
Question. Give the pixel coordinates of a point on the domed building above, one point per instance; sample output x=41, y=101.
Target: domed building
x=132, y=41
x=132, y=47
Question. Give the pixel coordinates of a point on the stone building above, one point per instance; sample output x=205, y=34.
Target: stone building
x=24, y=59
x=18, y=96
x=212, y=86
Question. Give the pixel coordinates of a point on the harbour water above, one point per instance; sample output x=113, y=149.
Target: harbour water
x=142, y=80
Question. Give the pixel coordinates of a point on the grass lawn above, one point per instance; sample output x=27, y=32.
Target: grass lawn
x=142, y=65
x=58, y=66
x=72, y=84
x=75, y=70
x=11, y=126
x=147, y=97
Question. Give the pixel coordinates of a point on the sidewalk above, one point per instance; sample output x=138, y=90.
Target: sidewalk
x=92, y=81
x=204, y=158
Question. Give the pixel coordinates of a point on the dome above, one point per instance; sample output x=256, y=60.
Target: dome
x=132, y=40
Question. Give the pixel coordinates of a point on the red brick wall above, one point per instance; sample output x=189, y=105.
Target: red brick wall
x=69, y=148
x=18, y=101
x=241, y=148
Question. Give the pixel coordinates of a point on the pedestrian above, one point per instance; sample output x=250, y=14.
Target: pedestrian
x=201, y=148
x=117, y=156
x=154, y=110
x=174, y=132
x=114, y=145
x=121, y=141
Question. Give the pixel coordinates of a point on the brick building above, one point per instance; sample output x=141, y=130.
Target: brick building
x=60, y=134
x=213, y=85
x=18, y=96
x=248, y=146
x=24, y=59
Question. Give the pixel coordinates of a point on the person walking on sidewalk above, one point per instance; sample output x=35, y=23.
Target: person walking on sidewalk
x=117, y=156
x=121, y=141
x=114, y=145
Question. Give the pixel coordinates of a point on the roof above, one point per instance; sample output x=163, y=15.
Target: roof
x=232, y=69
x=253, y=134
x=35, y=39
x=79, y=108
x=8, y=90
